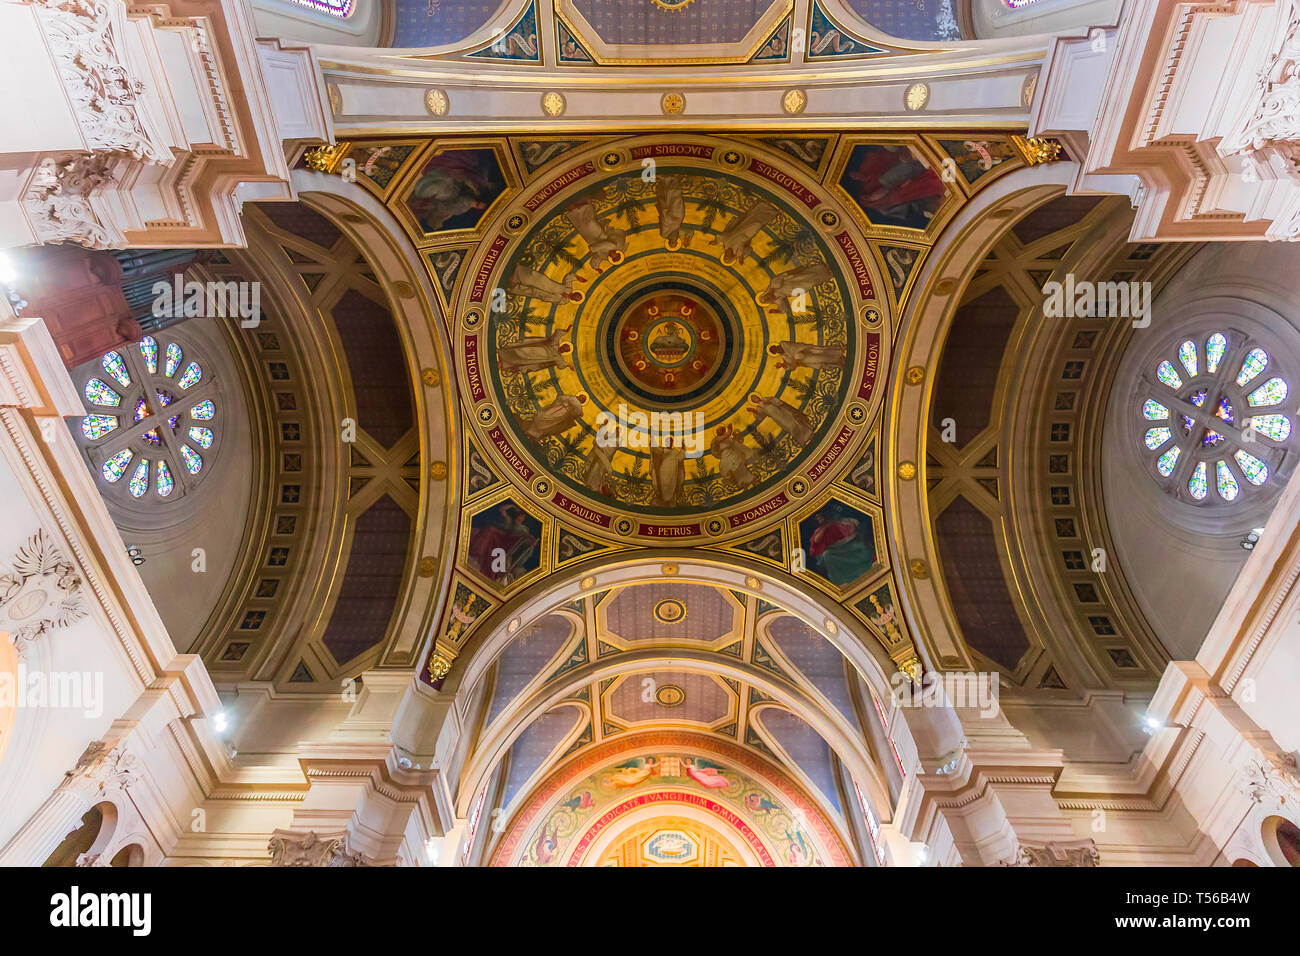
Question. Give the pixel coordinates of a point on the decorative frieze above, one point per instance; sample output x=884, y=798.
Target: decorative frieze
x=104, y=769
x=105, y=96
x=309, y=848
x=1272, y=781
x=1074, y=853
x=41, y=592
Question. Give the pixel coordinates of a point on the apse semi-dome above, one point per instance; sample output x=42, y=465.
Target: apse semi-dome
x=669, y=339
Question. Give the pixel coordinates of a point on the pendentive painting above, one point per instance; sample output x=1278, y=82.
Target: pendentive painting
x=455, y=189
x=893, y=185
x=839, y=542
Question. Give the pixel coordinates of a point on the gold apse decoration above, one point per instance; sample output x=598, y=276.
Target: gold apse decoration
x=673, y=104
x=326, y=159
x=916, y=96
x=915, y=375
x=1037, y=150
x=794, y=101
x=431, y=377
x=907, y=471
x=439, y=667
x=438, y=471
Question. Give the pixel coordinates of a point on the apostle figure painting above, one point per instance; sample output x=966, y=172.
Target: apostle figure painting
x=892, y=185
x=455, y=188
x=840, y=543
x=504, y=542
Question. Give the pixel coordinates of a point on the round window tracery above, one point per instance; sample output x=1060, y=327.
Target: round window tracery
x=1213, y=423
x=152, y=424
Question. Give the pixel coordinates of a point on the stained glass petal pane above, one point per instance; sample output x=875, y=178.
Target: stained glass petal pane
x=203, y=411
x=1256, y=471
x=1165, y=463
x=1165, y=372
x=151, y=436
x=193, y=461
x=141, y=411
x=1154, y=411
x=173, y=360
x=1187, y=355
x=1276, y=427
x=1272, y=392
x=1215, y=346
x=99, y=393
x=192, y=374
x=1196, y=484
x=115, y=367
x=1226, y=484
x=201, y=437
x=1252, y=365
x=139, y=483
x=97, y=426
x=1156, y=437
x=114, y=468
x=149, y=352
x=1225, y=411
x=165, y=397
x=164, y=480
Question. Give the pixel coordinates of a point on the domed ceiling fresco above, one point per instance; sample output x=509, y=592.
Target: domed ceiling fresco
x=665, y=340
x=674, y=340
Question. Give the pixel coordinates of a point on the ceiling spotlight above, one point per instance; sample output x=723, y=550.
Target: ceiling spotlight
x=135, y=554
x=432, y=850
x=1252, y=539
x=220, y=722
x=1151, y=723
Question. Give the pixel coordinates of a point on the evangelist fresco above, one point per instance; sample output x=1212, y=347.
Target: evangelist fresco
x=839, y=542
x=455, y=188
x=893, y=185
x=505, y=543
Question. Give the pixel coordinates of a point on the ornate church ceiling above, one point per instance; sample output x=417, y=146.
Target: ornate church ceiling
x=673, y=341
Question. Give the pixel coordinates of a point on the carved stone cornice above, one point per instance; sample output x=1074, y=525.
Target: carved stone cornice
x=58, y=201
x=309, y=848
x=1272, y=780
x=105, y=95
x=1074, y=853
x=103, y=769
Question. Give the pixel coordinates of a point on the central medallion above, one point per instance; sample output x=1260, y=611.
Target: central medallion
x=672, y=345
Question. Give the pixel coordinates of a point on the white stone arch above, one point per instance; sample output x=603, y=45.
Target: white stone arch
x=837, y=732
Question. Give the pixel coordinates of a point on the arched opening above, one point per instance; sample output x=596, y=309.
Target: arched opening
x=84, y=844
